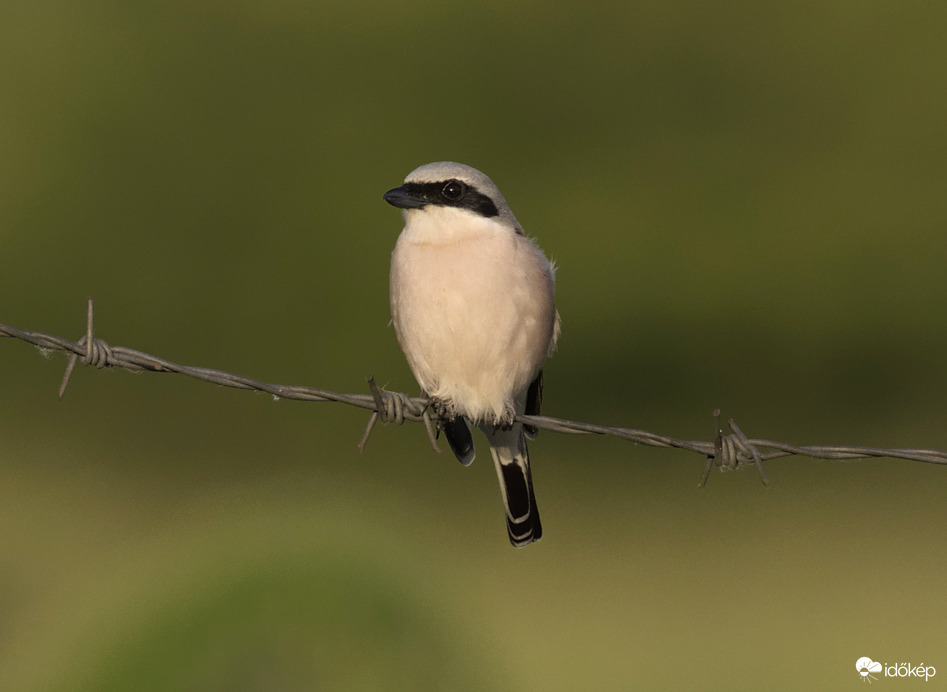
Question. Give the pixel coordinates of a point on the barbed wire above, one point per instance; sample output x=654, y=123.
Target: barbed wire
x=727, y=450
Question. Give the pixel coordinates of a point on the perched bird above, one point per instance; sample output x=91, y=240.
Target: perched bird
x=472, y=303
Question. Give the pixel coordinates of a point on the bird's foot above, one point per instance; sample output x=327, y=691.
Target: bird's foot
x=443, y=409
x=505, y=420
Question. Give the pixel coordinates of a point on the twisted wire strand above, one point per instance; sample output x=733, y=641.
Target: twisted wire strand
x=726, y=450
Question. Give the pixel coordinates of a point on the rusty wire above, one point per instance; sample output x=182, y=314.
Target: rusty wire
x=727, y=450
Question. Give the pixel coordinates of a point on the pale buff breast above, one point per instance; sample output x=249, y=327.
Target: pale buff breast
x=473, y=311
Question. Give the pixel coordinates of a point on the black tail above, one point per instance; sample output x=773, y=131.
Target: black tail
x=511, y=458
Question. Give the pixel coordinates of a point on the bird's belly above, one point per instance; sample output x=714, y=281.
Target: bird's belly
x=473, y=320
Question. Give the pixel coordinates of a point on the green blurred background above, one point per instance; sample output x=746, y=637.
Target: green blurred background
x=747, y=205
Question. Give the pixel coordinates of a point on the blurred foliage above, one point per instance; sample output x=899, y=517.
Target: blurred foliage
x=746, y=203
x=280, y=626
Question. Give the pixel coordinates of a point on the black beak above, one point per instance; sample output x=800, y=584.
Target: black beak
x=401, y=198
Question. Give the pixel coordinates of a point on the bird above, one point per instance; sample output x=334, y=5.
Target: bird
x=473, y=308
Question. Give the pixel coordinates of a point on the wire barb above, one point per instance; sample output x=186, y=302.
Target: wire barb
x=97, y=351
x=731, y=451
x=393, y=407
x=727, y=451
